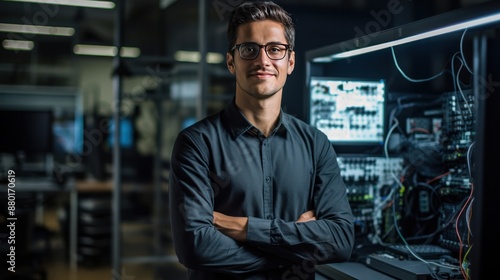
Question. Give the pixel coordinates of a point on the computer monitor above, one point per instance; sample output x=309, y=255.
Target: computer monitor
x=127, y=140
x=27, y=131
x=68, y=135
x=351, y=112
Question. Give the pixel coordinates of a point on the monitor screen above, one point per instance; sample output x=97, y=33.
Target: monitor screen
x=26, y=131
x=348, y=111
x=68, y=135
x=126, y=133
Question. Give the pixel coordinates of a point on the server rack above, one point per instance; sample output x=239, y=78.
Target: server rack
x=458, y=68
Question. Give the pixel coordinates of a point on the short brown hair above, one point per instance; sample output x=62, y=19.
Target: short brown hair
x=257, y=11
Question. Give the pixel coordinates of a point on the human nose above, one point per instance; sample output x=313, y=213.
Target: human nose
x=263, y=55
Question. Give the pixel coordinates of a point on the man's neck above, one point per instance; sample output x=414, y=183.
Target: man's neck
x=263, y=114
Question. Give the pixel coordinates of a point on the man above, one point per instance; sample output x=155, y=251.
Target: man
x=254, y=192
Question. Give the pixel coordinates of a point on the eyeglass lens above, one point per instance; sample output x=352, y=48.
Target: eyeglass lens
x=251, y=51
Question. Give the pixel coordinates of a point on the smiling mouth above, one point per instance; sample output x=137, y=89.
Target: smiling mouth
x=262, y=75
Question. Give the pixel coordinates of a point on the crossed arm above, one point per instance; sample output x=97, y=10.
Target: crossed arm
x=212, y=241
x=236, y=227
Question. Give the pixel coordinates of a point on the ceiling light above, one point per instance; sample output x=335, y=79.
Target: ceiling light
x=19, y=45
x=98, y=50
x=37, y=29
x=214, y=58
x=394, y=37
x=187, y=56
x=130, y=52
x=193, y=56
x=78, y=3
x=425, y=35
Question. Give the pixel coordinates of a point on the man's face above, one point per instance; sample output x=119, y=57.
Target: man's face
x=261, y=77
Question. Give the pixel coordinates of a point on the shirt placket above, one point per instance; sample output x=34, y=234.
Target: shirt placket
x=268, y=178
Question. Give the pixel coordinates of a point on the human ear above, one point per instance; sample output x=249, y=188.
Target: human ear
x=291, y=62
x=230, y=63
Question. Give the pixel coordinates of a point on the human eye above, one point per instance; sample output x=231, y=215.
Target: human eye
x=275, y=48
x=248, y=48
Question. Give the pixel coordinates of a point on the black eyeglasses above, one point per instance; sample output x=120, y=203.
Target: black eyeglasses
x=250, y=51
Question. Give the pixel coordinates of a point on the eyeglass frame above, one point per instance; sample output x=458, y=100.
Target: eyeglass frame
x=237, y=46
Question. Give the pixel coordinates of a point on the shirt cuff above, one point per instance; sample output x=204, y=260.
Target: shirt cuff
x=259, y=231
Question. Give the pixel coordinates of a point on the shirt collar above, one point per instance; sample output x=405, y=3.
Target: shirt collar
x=238, y=124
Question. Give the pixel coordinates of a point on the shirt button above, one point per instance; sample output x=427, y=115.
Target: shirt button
x=268, y=179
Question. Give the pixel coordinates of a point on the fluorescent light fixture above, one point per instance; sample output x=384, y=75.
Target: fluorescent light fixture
x=424, y=35
x=193, y=56
x=98, y=50
x=18, y=45
x=77, y=3
x=214, y=58
x=130, y=52
x=187, y=56
x=37, y=29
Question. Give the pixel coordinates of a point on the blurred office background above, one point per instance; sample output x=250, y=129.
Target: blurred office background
x=63, y=90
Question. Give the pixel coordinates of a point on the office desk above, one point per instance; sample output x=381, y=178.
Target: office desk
x=42, y=186
x=73, y=187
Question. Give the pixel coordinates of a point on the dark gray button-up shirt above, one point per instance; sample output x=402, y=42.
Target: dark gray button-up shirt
x=224, y=164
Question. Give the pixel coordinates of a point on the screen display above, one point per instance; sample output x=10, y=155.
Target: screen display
x=68, y=135
x=126, y=133
x=348, y=111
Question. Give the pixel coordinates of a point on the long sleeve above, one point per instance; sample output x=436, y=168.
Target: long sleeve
x=328, y=239
x=198, y=244
x=224, y=164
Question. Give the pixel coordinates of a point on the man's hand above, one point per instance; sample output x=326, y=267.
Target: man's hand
x=307, y=216
x=234, y=227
